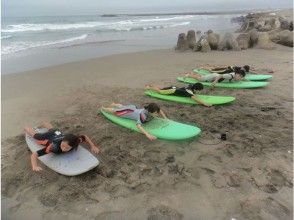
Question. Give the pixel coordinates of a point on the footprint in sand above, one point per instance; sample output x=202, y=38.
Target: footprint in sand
x=109, y=215
x=163, y=213
x=48, y=200
x=278, y=179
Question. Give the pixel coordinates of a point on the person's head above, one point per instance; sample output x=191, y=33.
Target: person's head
x=152, y=108
x=69, y=142
x=246, y=68
x=240, y=75
x=237, y=69
x=195, y=86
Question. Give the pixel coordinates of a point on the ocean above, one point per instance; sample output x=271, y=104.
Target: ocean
x=35, y=42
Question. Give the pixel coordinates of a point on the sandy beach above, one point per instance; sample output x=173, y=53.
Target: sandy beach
x=248, y=176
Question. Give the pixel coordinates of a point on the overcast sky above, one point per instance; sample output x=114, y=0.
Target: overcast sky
x=84, y=7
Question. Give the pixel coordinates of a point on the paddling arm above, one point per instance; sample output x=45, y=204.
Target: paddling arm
x=30, y=131
x=215, y=81
x=149, y=136
x=93, y=147
x=47, y=125
x=162, y=114
x=194, y=97
x=34, y=162
x=192, y=75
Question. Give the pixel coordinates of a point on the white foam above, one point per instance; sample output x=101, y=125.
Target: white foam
x=168, y=19
x=124, y=25
x=49, y=27
x=6, y=37
x=24, y=45
x=180, y=24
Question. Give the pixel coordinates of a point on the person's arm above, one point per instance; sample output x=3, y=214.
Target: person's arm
x=191, y=75
x=149, y=136
x=93, y=147
x=194, y=97
x=47, y=125
x=215, y=81
x=34, y=162
x=219, y=68
x=30, y=131
x=163, y=114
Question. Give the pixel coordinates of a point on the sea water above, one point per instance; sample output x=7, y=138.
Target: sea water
x=35, y=42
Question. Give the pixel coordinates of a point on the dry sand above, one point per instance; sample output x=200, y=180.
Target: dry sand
x=249, y=176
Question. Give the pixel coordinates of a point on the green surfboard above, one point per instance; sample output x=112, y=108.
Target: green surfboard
x=159, y=127
x=229, y=85
x=249, y=76
x=214, y=100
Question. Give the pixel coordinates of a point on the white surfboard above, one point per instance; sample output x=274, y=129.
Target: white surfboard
x=70, y=164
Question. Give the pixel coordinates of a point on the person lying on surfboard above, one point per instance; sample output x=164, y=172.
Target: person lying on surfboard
x=189, y=91
x=227, y=69
x=140, y=115
x=54, y=141
x=215, y=78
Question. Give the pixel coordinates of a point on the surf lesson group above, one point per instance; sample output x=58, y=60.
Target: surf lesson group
x=62, y=152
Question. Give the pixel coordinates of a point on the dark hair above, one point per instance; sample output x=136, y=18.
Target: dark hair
x=237, y=69
x=152, y=107
x=196, y=86
x=241, y=72
x=246, y=68
x=72, y=140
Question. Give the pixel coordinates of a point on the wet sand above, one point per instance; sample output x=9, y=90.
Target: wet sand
x=248, y=176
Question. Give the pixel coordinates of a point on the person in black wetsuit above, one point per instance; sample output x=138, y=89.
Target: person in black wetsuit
x=189, y=91
x=54, y=141
x=228, y=69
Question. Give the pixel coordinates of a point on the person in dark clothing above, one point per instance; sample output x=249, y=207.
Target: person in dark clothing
x=189, y=91
x=54, y=141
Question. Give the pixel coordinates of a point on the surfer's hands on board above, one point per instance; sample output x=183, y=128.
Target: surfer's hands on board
x=95, y=149
x=151, y=137
x=37, y=168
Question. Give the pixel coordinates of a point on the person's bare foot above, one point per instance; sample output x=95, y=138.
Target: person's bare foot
x=148, y=86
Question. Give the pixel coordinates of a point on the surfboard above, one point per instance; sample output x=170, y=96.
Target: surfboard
x=159, y=127
x=229, y=85
x=214, y=100
x=69, y=164
x=249, y=76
